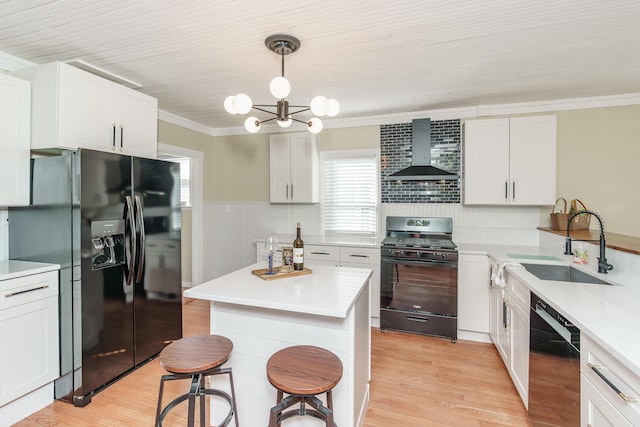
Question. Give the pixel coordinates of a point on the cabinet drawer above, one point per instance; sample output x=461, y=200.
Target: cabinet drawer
x=26, y=289
x=321, y=253
x=360, y=255
x=611, y=378
x=520, y=293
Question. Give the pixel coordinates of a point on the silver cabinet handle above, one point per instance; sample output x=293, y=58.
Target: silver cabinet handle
x=287, y=189
x=596, y=369
x=291, y=191
x=358, y=256
x=113, y=142
x=320, y=253
x=506, y=191
x=13, y=294
x=513, y=191
x=121, y=137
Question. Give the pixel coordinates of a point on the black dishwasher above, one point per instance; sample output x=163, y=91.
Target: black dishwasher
x=554, y=368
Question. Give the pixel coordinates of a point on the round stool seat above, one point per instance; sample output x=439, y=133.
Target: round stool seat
x=196, y=354
x=196, y=358
x=304, y=370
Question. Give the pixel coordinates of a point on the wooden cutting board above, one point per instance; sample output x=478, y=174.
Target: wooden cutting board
x=262, y=273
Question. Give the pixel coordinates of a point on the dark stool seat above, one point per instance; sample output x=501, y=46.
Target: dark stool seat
x=303, y=372
x=196, y=357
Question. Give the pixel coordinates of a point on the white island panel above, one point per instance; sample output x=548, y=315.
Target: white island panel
x=329, y=308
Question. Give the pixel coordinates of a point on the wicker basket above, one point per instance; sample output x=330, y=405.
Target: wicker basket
x=559, y=220
x=582, y=221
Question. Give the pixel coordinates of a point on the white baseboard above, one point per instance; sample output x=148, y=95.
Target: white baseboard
x=474, y=336
x=26, y=405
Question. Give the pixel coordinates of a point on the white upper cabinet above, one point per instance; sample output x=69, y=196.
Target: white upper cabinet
x=294, y=168
x=15, y=99
x=510, y=161
x=72, y=108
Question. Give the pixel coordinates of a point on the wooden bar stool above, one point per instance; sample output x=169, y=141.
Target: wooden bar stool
x=303, y=372
x=197, y=357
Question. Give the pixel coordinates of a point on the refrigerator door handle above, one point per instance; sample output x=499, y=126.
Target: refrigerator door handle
x=143, y=235
x=132, y=239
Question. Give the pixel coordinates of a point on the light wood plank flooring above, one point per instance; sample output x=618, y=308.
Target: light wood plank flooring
x=416, y=381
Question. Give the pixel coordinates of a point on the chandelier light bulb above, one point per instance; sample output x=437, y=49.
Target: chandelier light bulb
x=228, y=105
x=319, y=105
x=315, y=125
x=252, y=124
x=285, y=123
x=242, y=103
x=280, y=87
x=334, y=108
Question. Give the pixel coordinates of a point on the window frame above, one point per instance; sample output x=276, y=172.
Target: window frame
x=346, y=154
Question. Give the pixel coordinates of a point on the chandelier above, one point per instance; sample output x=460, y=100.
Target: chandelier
x=241, y=103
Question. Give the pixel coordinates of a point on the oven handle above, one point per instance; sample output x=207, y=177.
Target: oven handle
x=451, y=264
x=596, y=369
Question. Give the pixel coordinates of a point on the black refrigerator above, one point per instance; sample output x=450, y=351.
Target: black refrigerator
x=112, y=222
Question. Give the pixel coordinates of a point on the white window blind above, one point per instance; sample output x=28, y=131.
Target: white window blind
x=350, y=192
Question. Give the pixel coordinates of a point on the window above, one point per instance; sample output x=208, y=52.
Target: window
x=350, y=189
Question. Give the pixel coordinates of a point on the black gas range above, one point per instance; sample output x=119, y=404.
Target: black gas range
x=419, y=278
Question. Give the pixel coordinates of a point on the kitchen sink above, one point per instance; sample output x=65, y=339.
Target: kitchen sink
x=562, y=273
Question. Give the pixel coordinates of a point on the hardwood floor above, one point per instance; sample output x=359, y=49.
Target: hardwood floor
x=416, y=381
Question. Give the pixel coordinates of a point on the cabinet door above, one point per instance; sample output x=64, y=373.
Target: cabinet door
x=486, y=162
x=136, y=116
x=532, y=156
x=519, y=330
x=15, y=127
x=304, y=168
x=280, y=168
x=29, y=332
x=365, y=258
x=495, y=313
x=503, y=333
x=84, y=110
x=473, y=293
x=596, y=410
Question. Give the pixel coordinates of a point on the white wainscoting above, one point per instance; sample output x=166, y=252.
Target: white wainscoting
x=231, y=228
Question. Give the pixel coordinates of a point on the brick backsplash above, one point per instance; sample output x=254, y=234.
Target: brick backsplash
x=395, y=152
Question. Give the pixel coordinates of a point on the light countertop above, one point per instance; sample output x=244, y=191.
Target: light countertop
x=610, y=315
x=356, y=241
x=10, y=269
x=327, y=291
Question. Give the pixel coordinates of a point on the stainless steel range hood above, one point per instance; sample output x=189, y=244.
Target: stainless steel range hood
x=421, y=168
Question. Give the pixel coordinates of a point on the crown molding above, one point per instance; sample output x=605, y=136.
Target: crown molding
x=440, y=114
x=9, y=62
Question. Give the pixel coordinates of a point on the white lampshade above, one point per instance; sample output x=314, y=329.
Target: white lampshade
x=252, y=124
x=280, y=87
x=334, y=108
x=242, y=103
x=319, y=105
x=228, y=105
x=285, y=123
x=315, y=125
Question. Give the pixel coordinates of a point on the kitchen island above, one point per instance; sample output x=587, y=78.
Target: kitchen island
x=328, y=308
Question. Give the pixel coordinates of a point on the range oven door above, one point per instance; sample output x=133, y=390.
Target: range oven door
x=419, y=296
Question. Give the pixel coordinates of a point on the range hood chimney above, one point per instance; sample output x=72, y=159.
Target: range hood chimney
x=421, y=169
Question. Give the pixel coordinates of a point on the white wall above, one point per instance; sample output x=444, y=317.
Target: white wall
x=232, y=227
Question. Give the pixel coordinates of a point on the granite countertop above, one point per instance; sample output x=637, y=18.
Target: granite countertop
x=10, y=269
x=327, y=291
x=608, y=314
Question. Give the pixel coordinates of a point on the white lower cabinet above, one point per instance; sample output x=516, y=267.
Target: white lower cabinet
x=509, y=331
x=609, y=391
x=322, y=255
x=474, y=293
x=29, y=334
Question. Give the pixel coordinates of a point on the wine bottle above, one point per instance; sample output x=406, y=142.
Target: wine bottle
x=298, y=251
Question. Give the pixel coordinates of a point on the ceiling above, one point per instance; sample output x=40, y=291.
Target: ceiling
x=377, y=57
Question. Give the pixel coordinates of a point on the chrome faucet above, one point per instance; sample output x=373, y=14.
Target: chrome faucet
x=603, y=265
